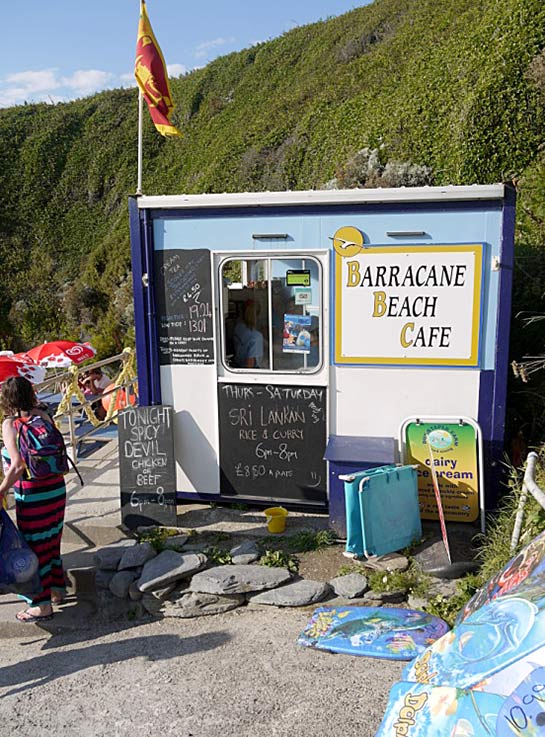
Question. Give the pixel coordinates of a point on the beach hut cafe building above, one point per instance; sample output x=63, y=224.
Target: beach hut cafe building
x=298, y=335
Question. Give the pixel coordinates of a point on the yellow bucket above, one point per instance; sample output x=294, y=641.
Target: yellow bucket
x=276, y=518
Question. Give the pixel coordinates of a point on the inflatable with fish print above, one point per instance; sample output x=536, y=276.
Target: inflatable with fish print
x=486, y=677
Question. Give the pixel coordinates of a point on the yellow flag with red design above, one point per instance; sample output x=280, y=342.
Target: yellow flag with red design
x=151, y=75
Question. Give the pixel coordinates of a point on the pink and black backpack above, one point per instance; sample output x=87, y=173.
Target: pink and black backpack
x=41, y=446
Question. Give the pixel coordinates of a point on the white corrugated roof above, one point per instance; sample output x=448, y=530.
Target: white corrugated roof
x=325, y=197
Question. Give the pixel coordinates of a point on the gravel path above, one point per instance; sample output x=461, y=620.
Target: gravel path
x=236, y=675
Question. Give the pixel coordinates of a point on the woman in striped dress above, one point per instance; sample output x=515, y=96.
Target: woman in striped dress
x=39, y=503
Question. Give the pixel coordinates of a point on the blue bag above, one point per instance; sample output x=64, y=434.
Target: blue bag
x=18, y=563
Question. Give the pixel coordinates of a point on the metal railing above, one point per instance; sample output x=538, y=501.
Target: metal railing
x=76, y=409
x=529, y=486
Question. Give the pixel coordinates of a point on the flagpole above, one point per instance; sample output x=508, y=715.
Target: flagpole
x=140, y=118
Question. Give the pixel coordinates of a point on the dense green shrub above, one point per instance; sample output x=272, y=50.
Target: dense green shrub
x=446, y=92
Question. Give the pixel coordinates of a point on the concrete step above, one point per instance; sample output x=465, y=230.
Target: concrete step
x=78, y=562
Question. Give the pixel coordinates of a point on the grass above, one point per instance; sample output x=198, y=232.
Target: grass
x=158, y=537
x=410, y=581
x=281, y=551
x=218, y=557
x=301, y=542
x=413, y=580
x=496, y=548
x=279, y=559
x=347, y=568
x=448, y=608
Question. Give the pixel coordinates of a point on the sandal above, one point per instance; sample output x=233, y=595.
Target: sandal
x=25, y=617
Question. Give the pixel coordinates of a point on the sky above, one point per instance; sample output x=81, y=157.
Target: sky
x=60, y=50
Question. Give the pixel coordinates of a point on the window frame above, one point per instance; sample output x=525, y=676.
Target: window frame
x=260, y=256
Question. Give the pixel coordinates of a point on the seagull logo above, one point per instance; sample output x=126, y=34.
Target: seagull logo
x=342, y=243
x=347, y=241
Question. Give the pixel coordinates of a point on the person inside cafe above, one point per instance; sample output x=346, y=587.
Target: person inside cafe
x=247, y=339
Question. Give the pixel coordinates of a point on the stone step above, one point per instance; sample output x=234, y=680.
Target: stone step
x=81, y=582
x=79, y=569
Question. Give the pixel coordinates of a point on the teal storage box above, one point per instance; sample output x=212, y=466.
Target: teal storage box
x=382, y=511
x=348, y=454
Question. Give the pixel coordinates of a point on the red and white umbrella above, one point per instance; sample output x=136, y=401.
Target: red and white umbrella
x=25, y=358
x=11, y=366
x=61, y=353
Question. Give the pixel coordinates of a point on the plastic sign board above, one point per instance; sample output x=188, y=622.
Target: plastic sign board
x=409, y=305
x=298, y=278
x=453, y=449
x=302, y=296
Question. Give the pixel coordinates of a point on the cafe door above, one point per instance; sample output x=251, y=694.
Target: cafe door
x=273, y=375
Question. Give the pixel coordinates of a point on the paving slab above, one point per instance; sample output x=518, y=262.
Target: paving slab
x=75, y=614
x=247, y=522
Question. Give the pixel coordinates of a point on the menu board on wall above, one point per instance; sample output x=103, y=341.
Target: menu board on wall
x=147, y=471
x=183, y=296
x=272, y=442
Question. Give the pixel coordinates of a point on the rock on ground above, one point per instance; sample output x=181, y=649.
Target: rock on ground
x=167, y=567
x=238, y=579
x=136, y=556
x=108, y=558
x=351, y=586
x=298, y=593
x=198, y=605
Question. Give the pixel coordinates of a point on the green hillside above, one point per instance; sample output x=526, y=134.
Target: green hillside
x=457, y=88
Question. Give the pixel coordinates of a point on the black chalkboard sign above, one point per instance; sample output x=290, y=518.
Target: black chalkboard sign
x=183, y=299
x=146, y=466
x=272, y=442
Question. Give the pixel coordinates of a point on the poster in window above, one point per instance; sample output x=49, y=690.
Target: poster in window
x=296, y=335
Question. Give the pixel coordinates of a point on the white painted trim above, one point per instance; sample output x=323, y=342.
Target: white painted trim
x=324, y=197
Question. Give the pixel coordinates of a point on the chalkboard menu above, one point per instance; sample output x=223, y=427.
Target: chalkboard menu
x=146, y=466
x=272, y=442
x=183, y=295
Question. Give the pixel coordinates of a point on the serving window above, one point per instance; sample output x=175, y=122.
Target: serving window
x=272, y=314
